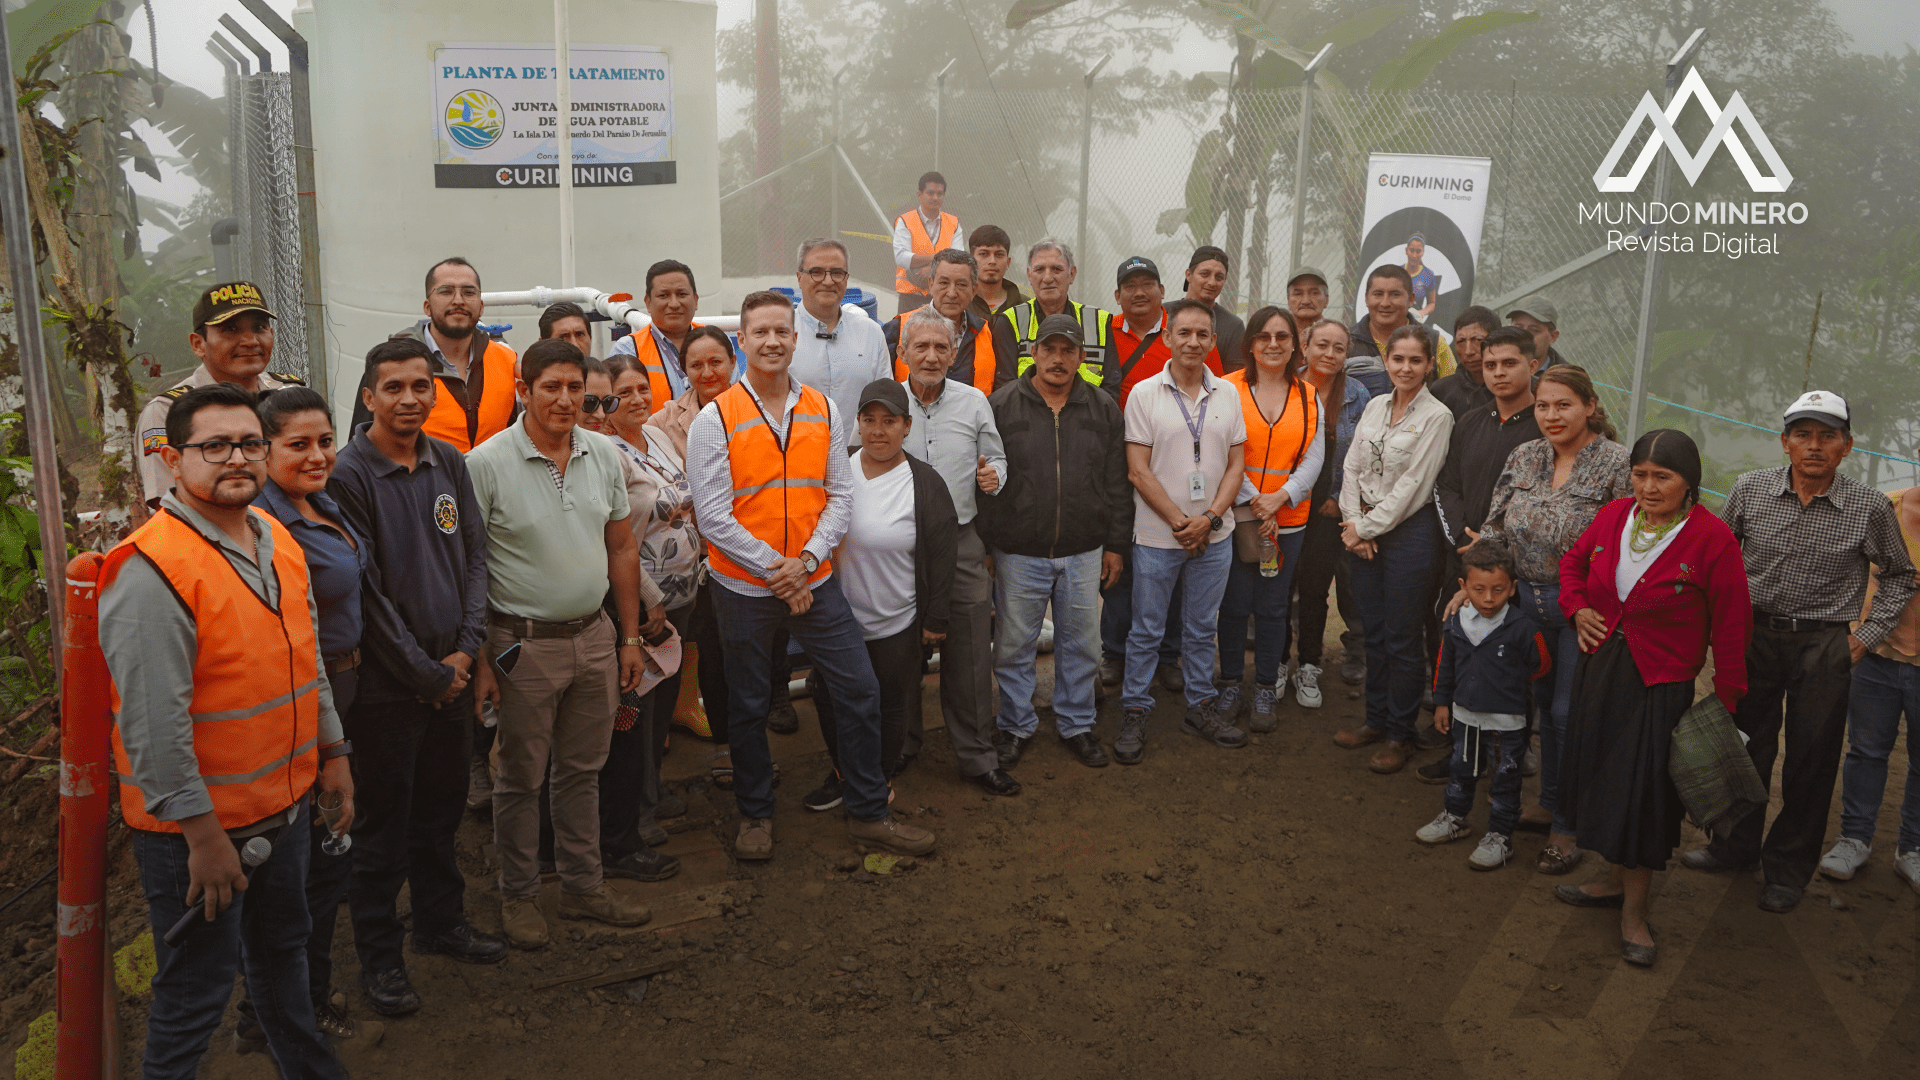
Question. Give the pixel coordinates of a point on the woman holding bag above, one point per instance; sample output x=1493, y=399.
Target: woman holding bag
x=1651, y=584
x=1284, y=454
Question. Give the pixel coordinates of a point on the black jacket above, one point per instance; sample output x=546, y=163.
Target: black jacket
x=1460, y=392
x=1067, y=489
x=936, y=525
x=1476, y=456
x=1495, y=676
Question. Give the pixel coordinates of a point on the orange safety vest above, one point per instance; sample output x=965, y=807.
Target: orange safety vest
x=983, y=366
x=1274, y=449
x=648, y=359
x=779, y=491
x=448, y=421
x=256, y=674
x=923, y=244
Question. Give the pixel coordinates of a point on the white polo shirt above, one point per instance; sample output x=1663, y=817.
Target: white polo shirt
x=1154, y=419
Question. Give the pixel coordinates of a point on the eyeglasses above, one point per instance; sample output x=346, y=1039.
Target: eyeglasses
x=821, y=273
x=594, y=402
x=464, y=292
x=220, y=451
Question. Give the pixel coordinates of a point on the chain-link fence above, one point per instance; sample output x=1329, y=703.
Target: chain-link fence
x=266, y=250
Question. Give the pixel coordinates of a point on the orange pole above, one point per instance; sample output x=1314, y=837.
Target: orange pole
x=80, y=980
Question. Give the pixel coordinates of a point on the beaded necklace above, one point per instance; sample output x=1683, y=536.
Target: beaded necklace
x=1647, y=537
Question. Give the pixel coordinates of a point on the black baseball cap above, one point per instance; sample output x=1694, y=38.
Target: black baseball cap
x=1061, y=325
x=1139, y=264
x=885, y=392
x=224, y=301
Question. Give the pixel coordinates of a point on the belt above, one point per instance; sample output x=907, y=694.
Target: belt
x=534, y=628
x=1780, y=624
x=345, y=662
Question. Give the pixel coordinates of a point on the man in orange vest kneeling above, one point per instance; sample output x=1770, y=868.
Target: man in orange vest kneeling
x=773, y=492
x=223, y=723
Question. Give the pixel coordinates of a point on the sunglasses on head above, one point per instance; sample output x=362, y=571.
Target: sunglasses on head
x=595, y=402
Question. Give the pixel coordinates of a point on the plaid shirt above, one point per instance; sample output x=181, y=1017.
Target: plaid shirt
x=1811, y=561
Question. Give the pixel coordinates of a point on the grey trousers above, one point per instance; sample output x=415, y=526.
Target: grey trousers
x=556, y=717
x=966, y=661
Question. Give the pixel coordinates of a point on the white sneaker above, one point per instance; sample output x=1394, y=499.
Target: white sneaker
x=1280, y=686
x=1444, y=829
x=1306, y=686
x=1845, y=859
x=1906, y=866
x=1491, y=853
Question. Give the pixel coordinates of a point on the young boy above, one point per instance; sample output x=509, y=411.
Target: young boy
x=1490, y=653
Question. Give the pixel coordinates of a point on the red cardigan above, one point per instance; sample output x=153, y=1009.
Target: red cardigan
x=1694, y=594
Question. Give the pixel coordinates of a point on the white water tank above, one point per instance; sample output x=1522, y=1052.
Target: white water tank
x=402, y=91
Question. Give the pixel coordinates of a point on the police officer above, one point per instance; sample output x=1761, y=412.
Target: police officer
x=233, y=337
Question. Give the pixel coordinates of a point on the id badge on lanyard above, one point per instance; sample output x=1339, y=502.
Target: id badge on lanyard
x=1197, y=482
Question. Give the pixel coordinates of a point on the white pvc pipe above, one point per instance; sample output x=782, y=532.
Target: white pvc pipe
x=631, y=314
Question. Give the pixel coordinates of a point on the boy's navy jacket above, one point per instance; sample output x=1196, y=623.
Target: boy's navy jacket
x=1495, y=676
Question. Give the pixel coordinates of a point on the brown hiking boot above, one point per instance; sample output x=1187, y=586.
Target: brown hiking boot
x=605, y=905
x=755, y=839
x=889, y=835
x=1391, y=758
x=1358, y=737
x=523, y=924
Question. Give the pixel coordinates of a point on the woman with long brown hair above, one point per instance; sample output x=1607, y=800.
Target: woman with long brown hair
x=1284, y=455
x=1323, y=561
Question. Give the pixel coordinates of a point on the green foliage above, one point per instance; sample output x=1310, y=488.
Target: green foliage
x=23, y=603
x=42, y=25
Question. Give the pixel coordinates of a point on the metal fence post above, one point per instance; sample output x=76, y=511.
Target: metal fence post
x=833, y=170
x=940, y=108
x=1086, y=156
x=1302, y=153
x=1650, y=284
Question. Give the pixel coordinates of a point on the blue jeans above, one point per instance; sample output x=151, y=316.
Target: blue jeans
x=1157, y=572
x=1542, y=604
x=1022, y=586
x=263, y=935
x=1392, y=588
x=838, y=649
x=1882, y=690
x=1470, y=746
x=1116, y=619
x=1266, y=599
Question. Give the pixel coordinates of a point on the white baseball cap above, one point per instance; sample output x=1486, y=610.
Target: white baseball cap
x=1828, y=408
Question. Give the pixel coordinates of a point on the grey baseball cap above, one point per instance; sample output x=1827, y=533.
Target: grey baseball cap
x=1537, y=306
x=1309, y=271
x=1062, y=325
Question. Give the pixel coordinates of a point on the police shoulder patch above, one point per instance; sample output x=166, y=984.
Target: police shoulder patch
x=288, y=378
x=152, y=439
x=177, y=392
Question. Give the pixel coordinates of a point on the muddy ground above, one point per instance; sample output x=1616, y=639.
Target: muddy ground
x=1210, y=913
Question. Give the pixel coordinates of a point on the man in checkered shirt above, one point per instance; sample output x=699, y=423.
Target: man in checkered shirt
x=1808, y=535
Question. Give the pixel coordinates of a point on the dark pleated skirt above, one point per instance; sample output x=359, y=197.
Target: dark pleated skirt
x=1614, y=777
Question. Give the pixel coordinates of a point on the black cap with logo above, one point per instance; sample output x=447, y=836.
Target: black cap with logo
x=224, y=301
x=1139, y=264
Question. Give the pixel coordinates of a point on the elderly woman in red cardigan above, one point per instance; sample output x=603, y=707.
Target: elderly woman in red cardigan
x=1650, y=585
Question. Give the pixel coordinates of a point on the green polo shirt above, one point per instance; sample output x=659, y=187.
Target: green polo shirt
x=546, y=541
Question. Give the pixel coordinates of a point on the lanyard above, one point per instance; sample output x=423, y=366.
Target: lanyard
x=1193, y=428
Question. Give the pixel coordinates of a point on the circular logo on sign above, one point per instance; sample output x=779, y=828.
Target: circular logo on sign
x=474, y=120
x=445, y=514
x=505, y=176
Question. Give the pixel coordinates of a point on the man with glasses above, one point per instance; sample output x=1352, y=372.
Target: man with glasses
x=837, y=349
x=224, y=722
x=1464, y=390
x=475, y=401
x=233, y=337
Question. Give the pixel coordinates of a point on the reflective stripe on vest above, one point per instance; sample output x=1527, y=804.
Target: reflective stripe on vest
x=256, y=674
x=448, y=420
x=779, y=491
x=1275, y=449
x=922, y=244
x=1025, y=320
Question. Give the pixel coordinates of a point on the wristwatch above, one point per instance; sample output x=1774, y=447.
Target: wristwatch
x=1214, y=520
x=626, y=641
x=336, y=750
x=809, y=562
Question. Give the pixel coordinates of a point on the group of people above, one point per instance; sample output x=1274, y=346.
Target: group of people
x=491, y=592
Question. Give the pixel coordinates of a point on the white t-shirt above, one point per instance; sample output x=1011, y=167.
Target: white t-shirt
x=875, y=560
x=1154, y=419
x=1632, y=565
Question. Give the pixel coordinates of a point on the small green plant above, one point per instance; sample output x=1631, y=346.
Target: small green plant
x=26, y=673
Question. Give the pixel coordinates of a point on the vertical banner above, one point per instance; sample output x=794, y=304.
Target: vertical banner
x=496, y=124
x=1424, y=213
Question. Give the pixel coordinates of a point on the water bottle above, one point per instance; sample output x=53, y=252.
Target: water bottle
x=1269, y=557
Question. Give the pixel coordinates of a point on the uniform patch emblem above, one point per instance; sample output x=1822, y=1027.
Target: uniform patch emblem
x=446, y=514
x=152, y=439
